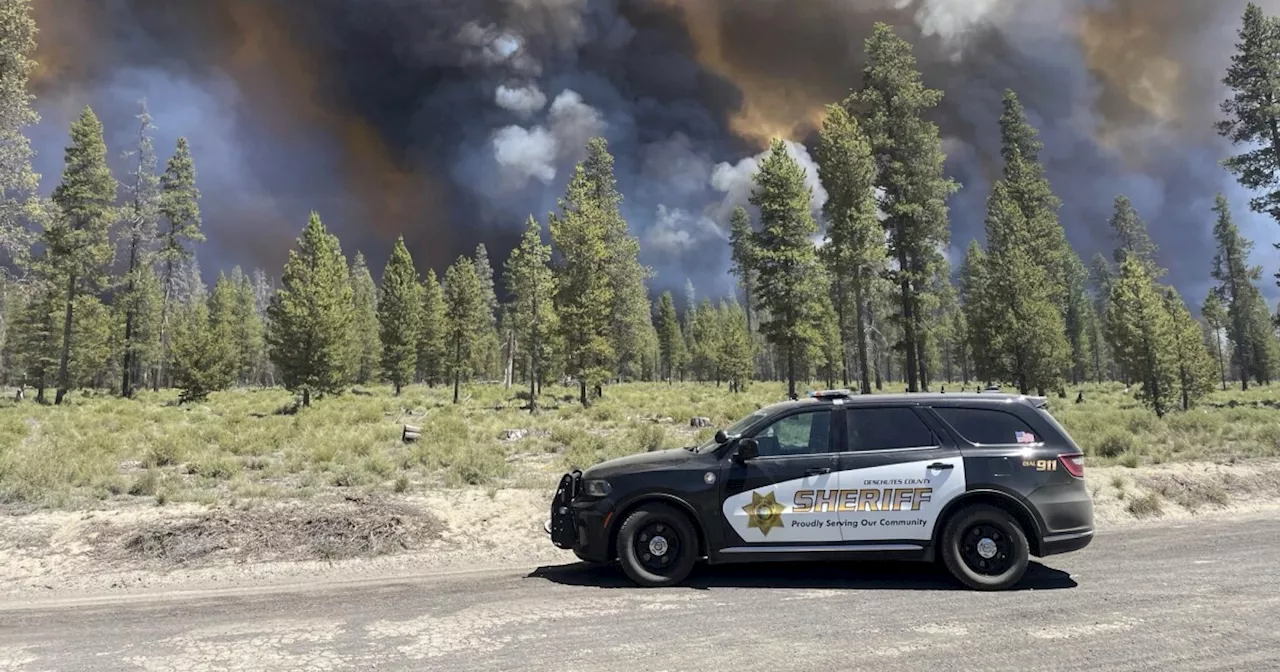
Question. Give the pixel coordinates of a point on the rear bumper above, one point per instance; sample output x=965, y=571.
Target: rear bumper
x=1055, y=544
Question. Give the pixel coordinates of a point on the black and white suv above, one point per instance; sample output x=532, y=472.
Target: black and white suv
x=982, y=481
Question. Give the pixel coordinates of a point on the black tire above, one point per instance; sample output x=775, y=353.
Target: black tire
x=651, y=563
x=960, y=548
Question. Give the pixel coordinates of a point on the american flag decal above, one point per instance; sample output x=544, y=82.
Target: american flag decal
x=1025, y=437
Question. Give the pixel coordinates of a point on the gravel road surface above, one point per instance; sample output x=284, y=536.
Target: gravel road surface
x=1196, y=595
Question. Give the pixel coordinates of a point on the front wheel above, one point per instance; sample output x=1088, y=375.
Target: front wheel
x=985, y=548
x=657, y=546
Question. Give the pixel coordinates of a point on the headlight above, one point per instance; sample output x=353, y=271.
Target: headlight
x=597, y=488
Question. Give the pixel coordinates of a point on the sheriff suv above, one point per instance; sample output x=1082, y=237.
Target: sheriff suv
x=981, y=481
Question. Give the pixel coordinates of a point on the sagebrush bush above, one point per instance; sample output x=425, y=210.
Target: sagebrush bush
x=1114, y=444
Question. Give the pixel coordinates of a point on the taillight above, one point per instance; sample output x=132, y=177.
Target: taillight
x=1073, y=463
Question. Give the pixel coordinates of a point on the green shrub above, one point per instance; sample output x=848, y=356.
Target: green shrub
x=1114, y=444
x=647, y=438
x=475, y=465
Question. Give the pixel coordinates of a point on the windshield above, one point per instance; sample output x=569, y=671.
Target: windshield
x=733, y=430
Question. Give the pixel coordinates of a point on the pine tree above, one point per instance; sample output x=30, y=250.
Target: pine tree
x=706, y=345
x=1132, y=239
x=1252, y=112
x=629, y=310
x=742, y=255
x=1028, y=342
x=974, y=297
x=1263, y=342
x=894, y=105
x=826, y=351
x=310, y=316
x=1143, y=334
x=179, y=205
x=140, y=216
x=1029, y=188
x=1101, y=278
x=1076, y=317
x=365, y=332
x=585, y=293
x=79, y=247
x=737, y=352
x=486, y=350
x=18, y=182
x=204, y=354
x=670, y=338
x=1215, y=321
x=1238, y=289
x=856, y=249
x=263, y=290
x=531, y=284
x=464, y=319
x=246, y=327
x=220, y=309
x=94, y=334
x=400, y=317
x=432, y=349
x=38, y=337
x=1194, y=365
x=688, y=322
x=786, y=260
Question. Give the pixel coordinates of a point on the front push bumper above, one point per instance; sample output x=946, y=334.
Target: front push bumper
x=578, y=526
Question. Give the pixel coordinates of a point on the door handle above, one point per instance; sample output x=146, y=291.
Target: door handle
x=817, y=471
x=942, y=465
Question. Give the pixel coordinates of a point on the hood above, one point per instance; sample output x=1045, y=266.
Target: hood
x=639, y=462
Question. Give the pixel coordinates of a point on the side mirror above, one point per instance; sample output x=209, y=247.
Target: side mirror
x=748, y=449
x=721, y=437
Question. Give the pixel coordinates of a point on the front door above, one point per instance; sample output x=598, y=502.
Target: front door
x=896, y=474
x=769, y=500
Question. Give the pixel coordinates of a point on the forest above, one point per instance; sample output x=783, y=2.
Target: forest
x=101, y=289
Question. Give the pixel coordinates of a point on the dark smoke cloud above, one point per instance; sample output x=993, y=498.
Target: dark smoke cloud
x=449, y=121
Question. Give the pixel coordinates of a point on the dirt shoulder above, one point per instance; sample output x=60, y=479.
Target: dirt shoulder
x=58, y=554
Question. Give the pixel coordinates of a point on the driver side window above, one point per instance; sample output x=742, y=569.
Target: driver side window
x=800, y=434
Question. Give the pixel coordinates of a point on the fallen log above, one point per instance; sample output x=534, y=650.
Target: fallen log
x=411, y=434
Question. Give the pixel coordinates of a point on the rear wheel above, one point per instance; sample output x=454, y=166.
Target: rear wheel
x=985, y=548
x=657, y=546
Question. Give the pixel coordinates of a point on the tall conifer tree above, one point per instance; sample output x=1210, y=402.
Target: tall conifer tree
x=1252, y=112
x=366, y=341
x=532, y=286
x=856, y=249
x=311, y=316
x=77, y=239
x=399, y=317
x=180, y=207
x=786, y=261
x=464, y=319
x=894, y=104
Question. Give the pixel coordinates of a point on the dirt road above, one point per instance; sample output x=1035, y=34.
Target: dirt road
x=1190, y=595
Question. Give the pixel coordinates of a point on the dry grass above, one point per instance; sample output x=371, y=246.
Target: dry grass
x=245, y=447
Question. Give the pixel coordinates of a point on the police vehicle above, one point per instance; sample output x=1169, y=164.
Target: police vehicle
x=980, y=481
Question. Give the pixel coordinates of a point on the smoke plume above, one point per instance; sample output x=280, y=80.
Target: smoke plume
x=450, y=121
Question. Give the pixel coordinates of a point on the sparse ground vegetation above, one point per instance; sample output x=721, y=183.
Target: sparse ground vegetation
x=255, y=445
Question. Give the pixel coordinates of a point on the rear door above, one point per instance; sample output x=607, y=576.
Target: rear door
x=758, y=498
x=896, y=474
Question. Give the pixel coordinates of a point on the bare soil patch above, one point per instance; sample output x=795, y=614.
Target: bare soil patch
x=354, y=528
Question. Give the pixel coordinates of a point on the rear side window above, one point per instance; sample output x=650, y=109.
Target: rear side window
x=887, y=429
x=987, y=426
